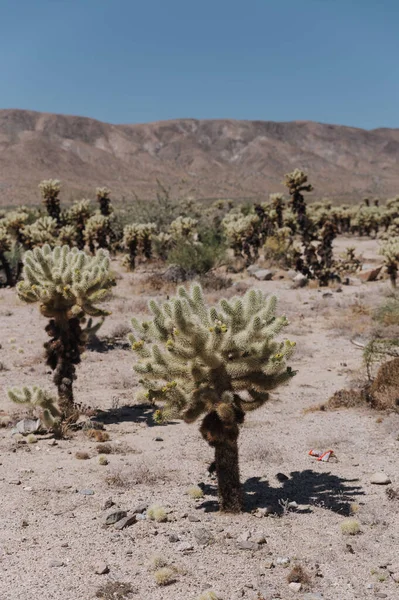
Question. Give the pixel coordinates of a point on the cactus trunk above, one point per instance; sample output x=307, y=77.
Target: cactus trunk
x=228, y=476
x=7, y=270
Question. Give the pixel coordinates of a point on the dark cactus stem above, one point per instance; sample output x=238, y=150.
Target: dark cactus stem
x=62, y=355
x=147, y=246
x=53, y=207
x=105, y=205
x=228, y=476
x=132, y=254
x=7, y=270
x=392, y=271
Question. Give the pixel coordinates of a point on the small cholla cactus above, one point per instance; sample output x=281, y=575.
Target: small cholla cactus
x=241, y=233
x=183, y=227
x=296, y=182
x=68, y=284
x=97, y=232
x=390, y=252
x=78, y=215
x=5, y=246
x=219, y=362
x=50, y=189
x=14, y=222
x=277, y=202
x=67, y=236
x=163, y=244
x=103, y=198
x=43, y=231
x=38, y=399
x=138, y=237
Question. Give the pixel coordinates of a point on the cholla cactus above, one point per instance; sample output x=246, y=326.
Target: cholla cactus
x=219, y=362
x=68, y=284
x=97, y=232
x=43, y=231
x=67, y=235
x=14, y=222
x=103, y=198
x=390, y=252
x=183, y=227
x=277, y=202
x=138, y=236
x=349, y=263
x=50, y=189
x=5, y=246
x=78, y=215
x=241, y=233
x=37, y=398
x=163, y=244
x=296, y=182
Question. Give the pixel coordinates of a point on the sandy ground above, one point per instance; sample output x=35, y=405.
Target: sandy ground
x=53, y=537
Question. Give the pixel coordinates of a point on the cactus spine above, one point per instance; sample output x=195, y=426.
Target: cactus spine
x=68, y=284
x=219, y=362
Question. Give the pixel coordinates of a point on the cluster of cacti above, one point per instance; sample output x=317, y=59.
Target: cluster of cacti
x=43, y=231
x=219, y=362
x=97, y=233
x=241, y=233
x=138, y=238
x=183, y=228
x=390, y=252
x=68, y=284
x=77, y=217
x=37, y=399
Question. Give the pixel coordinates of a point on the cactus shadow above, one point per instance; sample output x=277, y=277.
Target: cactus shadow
x=136, y=413
x=307, y=487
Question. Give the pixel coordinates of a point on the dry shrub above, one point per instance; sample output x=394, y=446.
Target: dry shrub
x=298, y=575
x=104, y=449
x=97, y=434
x=115, y=590
x=82, y=455
x=345, y=399
x=117, y=479
x=165, y=576
x=384, y=391
x=119, y=331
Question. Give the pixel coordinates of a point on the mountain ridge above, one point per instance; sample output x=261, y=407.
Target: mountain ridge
x=199, y=158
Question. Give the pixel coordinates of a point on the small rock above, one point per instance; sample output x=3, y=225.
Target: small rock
x=269, y=564
x=370, y=275
x=380, y=595
x=28, y=489
x=158, y=439
x=86, y=492
x=57, y=563
x=258, y=538
x=27, y=426
x=126, y=521
x=283, y=561
x=115, y=516
x=393, y=568
x=52, y=443
x=293, y=505
x=248, y=546
x=194, y=519
x=380, y=479
x=109, y=503
x=252, y=269
x=174, y=538
x=263, y=274
x=141, y=517
x=24, y=523
x=14, y=482
x=300, y=281
x=140, y=508
x=185, y=547
x=313, y=596
x=294, y=586
x=202, y=536
x=327, y=295
x=101, y=569
x=65, y=545
x=281, y=477
x=395, y=577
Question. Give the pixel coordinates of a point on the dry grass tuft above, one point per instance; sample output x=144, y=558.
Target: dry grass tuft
x=97, y=434
x=117, y=479
x=157, y=513
x=165, y=576
x=104, y=449
x=350, y=527
x=195, y=492
x=82, y=455
x=115, y=590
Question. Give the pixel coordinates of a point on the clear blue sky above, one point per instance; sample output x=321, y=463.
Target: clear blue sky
x=131, y=61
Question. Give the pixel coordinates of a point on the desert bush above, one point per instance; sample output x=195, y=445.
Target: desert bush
x=219, y=362
x=198, y=257
x=68, y=284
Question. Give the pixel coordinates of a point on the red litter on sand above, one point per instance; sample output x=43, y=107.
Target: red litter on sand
x=322, y=456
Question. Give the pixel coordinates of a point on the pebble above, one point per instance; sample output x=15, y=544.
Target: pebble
x=248, y=546
x=141, y=517
x=115, y=516
x=140, y=508
x=284, y=561
x=269, y=564
x=313, y=596
x=258, y=538
x=126, y=521
x=57, y=563
x=202, y=536
x=380, y=595
x=101, y=569
x=28, y=489
x=86, y=492
x=185, y=547
x=109, y=503
x=194, y=519
x=294, y=586
x=173, y=538
x=380, y=478
x=14, y=482
x=395, y=577
x=158, y=439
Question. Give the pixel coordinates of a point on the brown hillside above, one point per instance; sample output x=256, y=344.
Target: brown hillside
x=200, y=158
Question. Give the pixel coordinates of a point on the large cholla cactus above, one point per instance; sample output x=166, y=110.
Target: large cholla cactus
x=68, y=284
x=77, y=216
x=296, y=182
x=14, y=222
x=219, y=362
x=242, y=234
x=38, y=399
x=50, y=189
x=138, y=237
x=277, y=202
x=390, y=252
x=5, y=246
x=104, y=200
